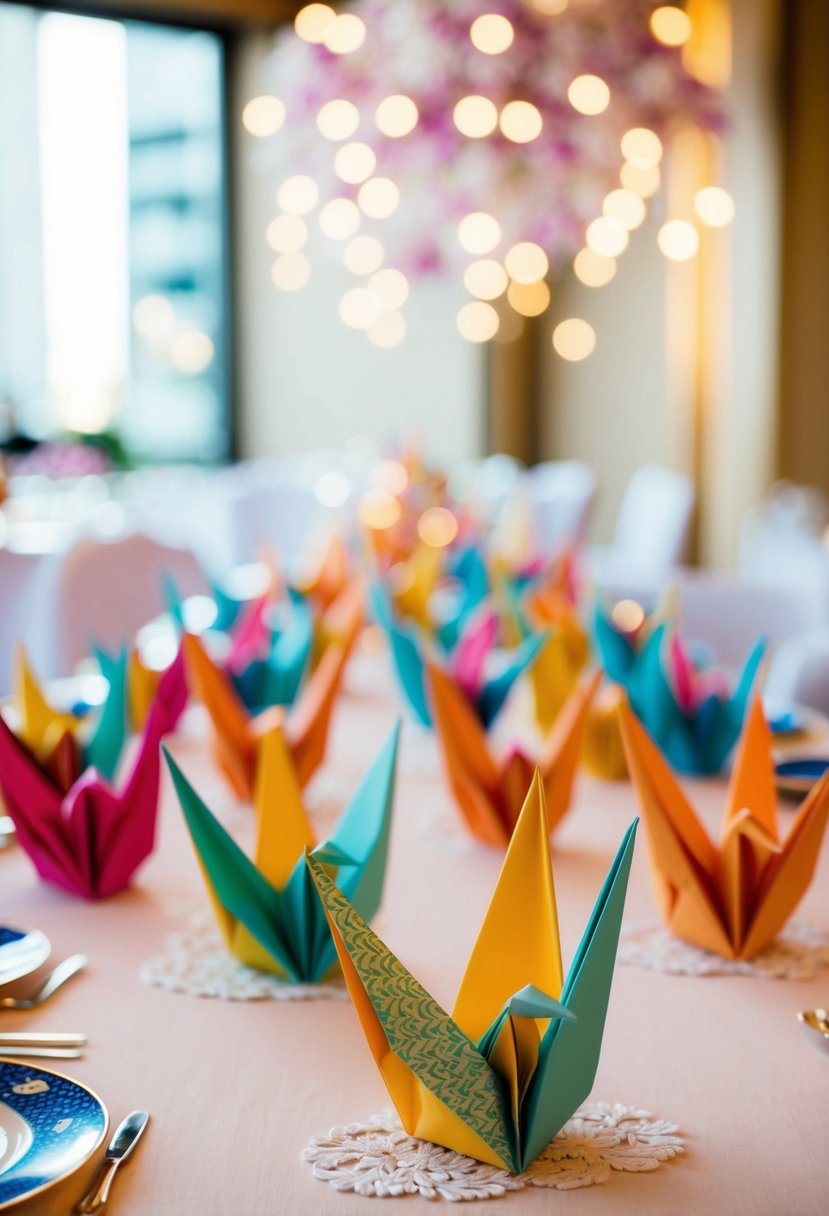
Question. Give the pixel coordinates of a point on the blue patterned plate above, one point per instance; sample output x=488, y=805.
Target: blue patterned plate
x=49, y=1127
x=21, y=951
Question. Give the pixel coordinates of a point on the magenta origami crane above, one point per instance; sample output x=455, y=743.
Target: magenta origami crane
x=80, y=833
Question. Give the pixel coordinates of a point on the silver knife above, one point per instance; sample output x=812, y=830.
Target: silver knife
x=120, y=1147
x=39, y=1038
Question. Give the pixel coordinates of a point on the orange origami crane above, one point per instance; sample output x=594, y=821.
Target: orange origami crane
x=237, y=733
x=337, y=598
x=490, y=794
x=730, y=898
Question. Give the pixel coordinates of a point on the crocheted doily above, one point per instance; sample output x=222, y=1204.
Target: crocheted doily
x=801, y=952
x=379, y=1159
x=196, y=962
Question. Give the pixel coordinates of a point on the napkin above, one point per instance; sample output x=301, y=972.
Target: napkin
x=695, y=730
x=265, y=907
x=237, y=733
x=734, y=896
x=519, y=1054
x=489, y=793
x=80, y=833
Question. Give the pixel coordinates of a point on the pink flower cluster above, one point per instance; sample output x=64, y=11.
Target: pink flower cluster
x=546, y=190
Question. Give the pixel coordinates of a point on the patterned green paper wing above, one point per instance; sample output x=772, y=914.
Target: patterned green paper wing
x=419, y=1032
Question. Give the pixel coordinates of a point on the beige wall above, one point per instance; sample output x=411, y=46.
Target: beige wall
x=305, y=380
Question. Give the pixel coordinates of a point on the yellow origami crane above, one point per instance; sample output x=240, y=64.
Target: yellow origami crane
x=730, y=898
x=489, y=794
x=237, y=734
x=501, y=1076
x=41, y=726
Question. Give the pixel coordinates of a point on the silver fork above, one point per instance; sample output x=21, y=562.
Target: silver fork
x=56, y=978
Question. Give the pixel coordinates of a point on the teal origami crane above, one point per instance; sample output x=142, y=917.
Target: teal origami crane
x=466, y=661
x=266, y=908
x=691, y=717
x=500, y=1077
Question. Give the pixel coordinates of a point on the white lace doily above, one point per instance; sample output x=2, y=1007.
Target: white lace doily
x=197, y=963
x=379, y=1159
x=801, y=952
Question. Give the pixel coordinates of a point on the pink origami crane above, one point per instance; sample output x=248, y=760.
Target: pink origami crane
x=80, y=833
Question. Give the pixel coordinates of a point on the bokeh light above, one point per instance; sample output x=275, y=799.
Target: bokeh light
x=641, y=147
x=354, y=163
x=643, y=180
x=593, y=269
x=263, y=116
x=392, y=476
x=298, y=195
x=338, y=119
x=574, y=339
x=437, y=527
x=477, y=321
x=363, y=255
x=345, y=34
x=396, y=116
x=286, y=233
x=479, y=232
x=390, y=286
x=340, y=219
x=378, y=198
x=313, y=22
x=526, y=262
x=291, y=271
x=192, y=351
x=359, y=308
x=520, y=121
x=607, y=237
x=529, y=299
x=153, y=316
x=670, y=25
x=388, y=330
x=379, y=510
x=628, y=615
x=588, y=94
x=485, y=279
x=714, y=206
x=678, y=240
x=475, y=116
x=332, y=488
x=491, y=33
x=625, y=207
x=549, y=8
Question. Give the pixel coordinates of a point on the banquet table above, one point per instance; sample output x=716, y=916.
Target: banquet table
x=237, y=1089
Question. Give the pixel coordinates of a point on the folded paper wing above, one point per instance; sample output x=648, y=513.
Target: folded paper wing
x=730, y=898
x=487, y=1081
x=268, y=670
x=89, y=840
x=265, y=906
x=236, y=733
x=489, y=795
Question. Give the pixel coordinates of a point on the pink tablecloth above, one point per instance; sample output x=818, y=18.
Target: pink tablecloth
x=237, y=1090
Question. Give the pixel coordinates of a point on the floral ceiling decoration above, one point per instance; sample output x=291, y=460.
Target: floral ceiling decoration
x=501, y=141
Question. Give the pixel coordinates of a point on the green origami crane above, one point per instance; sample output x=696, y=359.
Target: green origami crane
x=266, y=908
x=499, y=1078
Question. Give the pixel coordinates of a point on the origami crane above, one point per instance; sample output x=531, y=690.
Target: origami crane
x=466, y=663
x=489, y=794
x=732, y=897
x=45, y=730
x=81, y=835
x=267, y=663
x=501, y=1076
x=266, y=908
x=237, y=733
x=696, y=734
x=148, y=687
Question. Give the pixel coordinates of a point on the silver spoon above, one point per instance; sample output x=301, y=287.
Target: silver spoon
x=54, y=980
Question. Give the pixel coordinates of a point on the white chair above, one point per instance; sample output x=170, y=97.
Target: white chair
x=107, y=590
x=799, y=672
x=562, y=493
x=654, y=521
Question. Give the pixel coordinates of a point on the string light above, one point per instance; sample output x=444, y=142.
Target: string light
x=379, y=510
x=359, y=308
x=526, y=262
x=574, y=339
x=642, y=147
x=520, y=121
x=388, y=330
x=607, y=237
x=391, y=476
x=475, y=116
x=678, y=240
x=263, y=116
x=529, y=299
x=396, y=116
x=643, y=180
x=485, y=279
x=338, y=119
x=345, y=34
x=313, y=22
x=391, y=287
x=477, y=321
x=298, y=195
x=479, y=233
x=378, y=198
x=714, y=206
x=625, y=207
x=291, y=271
x=670, y=25
x=437, y=527
x=354, y=163
x=340, y=219
x=593, y=269
x=491, y=33
x=363, y=255
x=588, y=95
x=286, y=233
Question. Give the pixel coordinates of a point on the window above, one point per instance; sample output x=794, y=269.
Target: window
x=113, y=313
